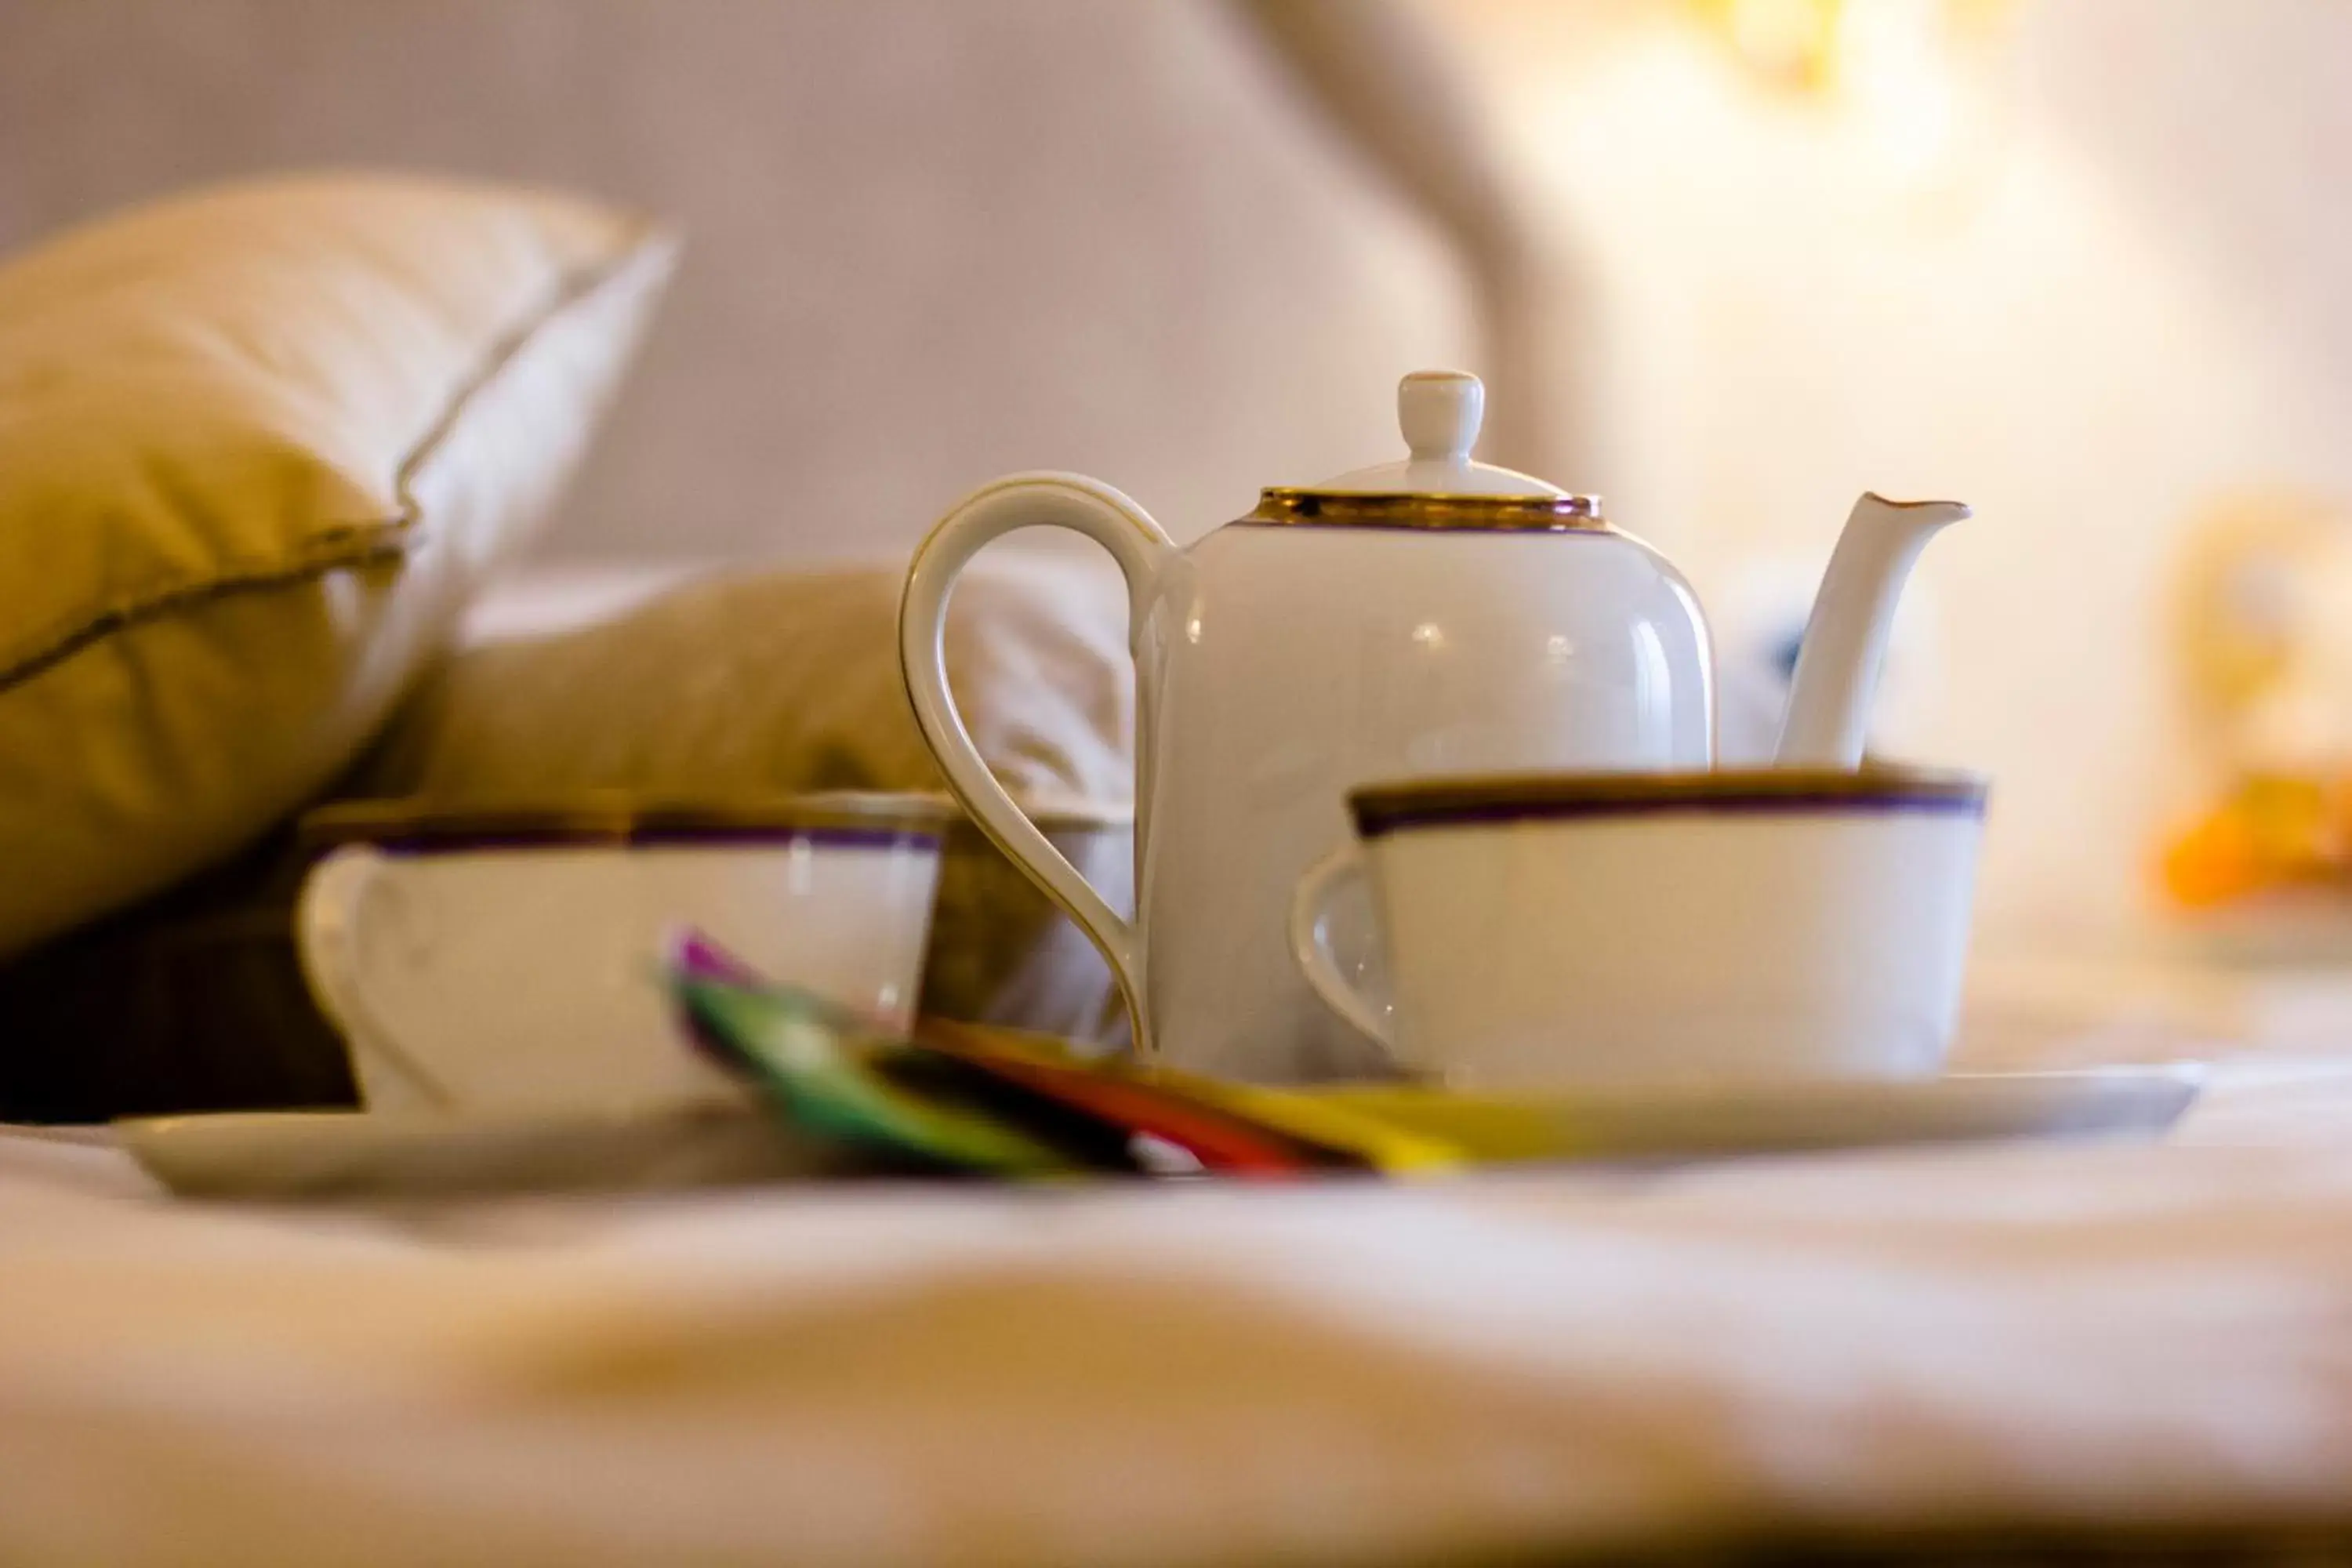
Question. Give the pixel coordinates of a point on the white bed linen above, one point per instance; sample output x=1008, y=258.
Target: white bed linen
x=2148, y=1335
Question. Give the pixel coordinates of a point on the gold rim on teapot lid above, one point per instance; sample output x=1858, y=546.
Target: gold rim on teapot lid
x=1421, y=510
x=1439, y=485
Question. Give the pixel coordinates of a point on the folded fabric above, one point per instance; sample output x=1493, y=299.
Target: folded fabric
x=2078, y=1353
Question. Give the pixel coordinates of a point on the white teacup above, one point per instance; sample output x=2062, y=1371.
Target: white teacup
x=1648, y=928
x=509, y=959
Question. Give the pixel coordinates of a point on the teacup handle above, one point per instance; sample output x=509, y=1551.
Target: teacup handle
x=1135, y=542
x=330, y=925
x=1311, y=942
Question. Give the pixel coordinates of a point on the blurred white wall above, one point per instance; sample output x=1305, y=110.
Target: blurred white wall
x=2084, y=274
x=929, y=241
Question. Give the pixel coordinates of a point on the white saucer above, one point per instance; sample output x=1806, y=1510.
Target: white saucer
x=1703, y=1120
x=419, y=1154
x=355, y=1154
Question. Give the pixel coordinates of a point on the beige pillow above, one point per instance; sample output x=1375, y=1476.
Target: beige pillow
x=755, y=683
x=257, y=447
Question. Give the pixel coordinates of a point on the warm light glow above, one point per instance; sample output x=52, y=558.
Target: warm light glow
x=1885, y=68
x=1895, y=72
x=1789, y=39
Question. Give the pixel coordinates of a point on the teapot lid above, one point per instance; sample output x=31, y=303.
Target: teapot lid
x=1439, y=485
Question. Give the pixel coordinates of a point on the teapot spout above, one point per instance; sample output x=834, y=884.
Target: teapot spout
x=1845, y=639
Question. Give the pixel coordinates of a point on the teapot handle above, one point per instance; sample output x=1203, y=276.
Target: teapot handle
x=1137, y=544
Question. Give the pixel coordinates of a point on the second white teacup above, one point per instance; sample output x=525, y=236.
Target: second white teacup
x=508, y=958
x=1655, y=928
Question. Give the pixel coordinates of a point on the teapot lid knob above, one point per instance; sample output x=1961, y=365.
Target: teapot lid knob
x=1439, y=412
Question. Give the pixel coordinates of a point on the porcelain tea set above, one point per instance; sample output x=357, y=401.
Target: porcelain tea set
x=1465, y=691
x=1424, y=782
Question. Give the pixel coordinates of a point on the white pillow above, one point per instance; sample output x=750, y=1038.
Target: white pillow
x=258, y=446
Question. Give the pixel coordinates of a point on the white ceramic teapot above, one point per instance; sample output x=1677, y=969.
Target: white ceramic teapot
x=1434, y=615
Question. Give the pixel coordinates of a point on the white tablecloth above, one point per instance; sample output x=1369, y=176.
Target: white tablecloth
x=2151, y=1336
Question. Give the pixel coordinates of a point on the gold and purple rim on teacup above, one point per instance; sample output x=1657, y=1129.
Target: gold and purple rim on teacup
x=1498, y=799
x=836, y=820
